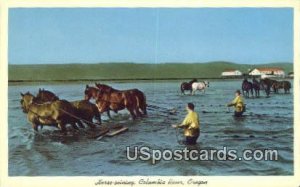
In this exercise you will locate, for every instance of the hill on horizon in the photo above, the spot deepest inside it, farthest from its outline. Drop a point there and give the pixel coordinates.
(110, 71)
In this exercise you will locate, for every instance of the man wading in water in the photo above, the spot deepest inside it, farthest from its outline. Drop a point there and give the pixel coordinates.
(238, 104)
(191, 125)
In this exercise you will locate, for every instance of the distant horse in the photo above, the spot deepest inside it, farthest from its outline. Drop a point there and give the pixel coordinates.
(266, 85)
(285, 85)
(114, 101)
(57, 113)
(256, 87)
(246, 87)
(187, 86)
(139, 95)
(84, 109)
(199, 86)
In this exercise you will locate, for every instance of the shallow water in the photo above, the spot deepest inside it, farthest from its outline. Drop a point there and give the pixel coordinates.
(268, 125)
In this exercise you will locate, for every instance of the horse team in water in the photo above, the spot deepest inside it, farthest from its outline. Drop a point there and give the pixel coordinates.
(48, 109)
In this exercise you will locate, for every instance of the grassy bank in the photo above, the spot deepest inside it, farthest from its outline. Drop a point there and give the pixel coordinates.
(127, 71)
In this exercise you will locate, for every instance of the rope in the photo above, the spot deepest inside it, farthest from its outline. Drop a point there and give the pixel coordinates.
(76, 117)
(177, 134)
(45, 117)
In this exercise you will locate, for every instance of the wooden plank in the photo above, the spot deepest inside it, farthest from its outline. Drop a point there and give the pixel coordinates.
(98, 134)
(116, 132)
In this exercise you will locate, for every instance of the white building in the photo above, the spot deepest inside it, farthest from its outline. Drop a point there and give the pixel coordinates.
(276, 72)
(230, 73)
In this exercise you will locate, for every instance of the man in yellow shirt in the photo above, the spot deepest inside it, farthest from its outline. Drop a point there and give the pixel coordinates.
(191, 125)
(238, 104)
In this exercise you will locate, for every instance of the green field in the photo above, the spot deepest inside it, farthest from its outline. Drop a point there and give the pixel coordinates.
(127, 71)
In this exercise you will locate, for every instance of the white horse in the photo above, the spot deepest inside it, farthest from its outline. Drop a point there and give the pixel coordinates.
(199, 86)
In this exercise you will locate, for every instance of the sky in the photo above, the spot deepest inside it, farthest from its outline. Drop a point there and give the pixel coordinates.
(150, 35)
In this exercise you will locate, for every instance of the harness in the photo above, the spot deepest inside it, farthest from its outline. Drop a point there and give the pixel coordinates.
(48, 117)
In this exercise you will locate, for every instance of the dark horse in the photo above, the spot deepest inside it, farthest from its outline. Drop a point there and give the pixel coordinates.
(256, 87)
(114, 101)
(44, 96)
(285, 85)
(187, 86)
(139, 95)
(246, 87)
(266, 85)
(84, 109)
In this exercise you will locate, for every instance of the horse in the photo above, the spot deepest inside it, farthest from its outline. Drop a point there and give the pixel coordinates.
(114, 101)
(85, 109)
(256, 87)
(246, 87)
(58, 113)
(139, 95)
(187, 86)
(285, 85)
(44, 96)
(199, 86)
(266, 85)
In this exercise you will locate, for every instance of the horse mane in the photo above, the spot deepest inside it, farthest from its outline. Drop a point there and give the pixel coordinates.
(193, 80)
(47, 92)
(107, 87)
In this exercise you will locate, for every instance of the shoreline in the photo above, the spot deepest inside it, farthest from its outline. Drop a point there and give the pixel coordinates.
(129, 80)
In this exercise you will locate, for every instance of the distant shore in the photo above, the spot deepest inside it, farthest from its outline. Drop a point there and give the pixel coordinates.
(128, 71)
(18, 82)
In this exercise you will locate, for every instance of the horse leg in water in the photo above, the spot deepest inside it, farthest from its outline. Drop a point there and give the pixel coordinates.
(62, 127)
(182, 91)
(138, 107)
(193, 92)
(131, 111)
(243, 92)
(246, 93)
(268, 90)
(80, 124)
(74, 125)
(90, 123)
(137, 111)
(97, 115)
(34, 126)
(108, 114)
(251, 90)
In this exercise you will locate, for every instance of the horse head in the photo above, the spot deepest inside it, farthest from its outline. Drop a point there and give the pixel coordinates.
(26, 101)
(90, 92)
(206, 83)
(87, 93)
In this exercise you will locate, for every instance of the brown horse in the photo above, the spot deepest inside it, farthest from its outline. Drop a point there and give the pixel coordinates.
(139, 95)
(57, 113)
(114, 101)
(285, 85)
(85, 109)
(266, 84)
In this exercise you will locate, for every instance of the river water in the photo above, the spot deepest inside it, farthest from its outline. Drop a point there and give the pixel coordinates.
(268, 124)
